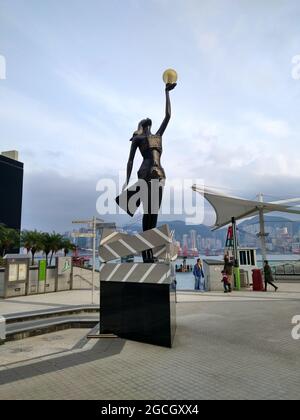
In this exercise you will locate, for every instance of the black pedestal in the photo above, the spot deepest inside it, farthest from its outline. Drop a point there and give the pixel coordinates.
(138, 311)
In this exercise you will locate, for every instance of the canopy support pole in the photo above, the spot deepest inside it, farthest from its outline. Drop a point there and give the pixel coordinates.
(236, 269)
(262, 234)
(235, 242)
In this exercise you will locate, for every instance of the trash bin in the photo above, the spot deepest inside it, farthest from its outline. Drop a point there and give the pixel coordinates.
(257, 280)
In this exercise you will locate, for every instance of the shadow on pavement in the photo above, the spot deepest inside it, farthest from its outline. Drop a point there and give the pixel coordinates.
(102, 349)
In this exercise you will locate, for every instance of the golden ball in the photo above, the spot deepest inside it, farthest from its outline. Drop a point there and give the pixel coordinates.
(170, 76)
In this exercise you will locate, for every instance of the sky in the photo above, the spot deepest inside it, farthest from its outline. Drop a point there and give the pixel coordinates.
(80, 75)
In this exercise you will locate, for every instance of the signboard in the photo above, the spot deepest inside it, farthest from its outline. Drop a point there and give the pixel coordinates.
(42, 270)
(64, 271)
(13, 272)
(16, 276)
(83, 235)
(22, 272)
(64, 265)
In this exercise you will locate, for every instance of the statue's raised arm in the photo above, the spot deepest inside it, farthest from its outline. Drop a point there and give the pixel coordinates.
(164, 124)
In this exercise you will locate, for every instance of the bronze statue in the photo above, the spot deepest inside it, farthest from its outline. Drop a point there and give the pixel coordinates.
(151, 171)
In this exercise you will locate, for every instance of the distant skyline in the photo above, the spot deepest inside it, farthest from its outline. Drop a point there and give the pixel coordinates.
(81, 75)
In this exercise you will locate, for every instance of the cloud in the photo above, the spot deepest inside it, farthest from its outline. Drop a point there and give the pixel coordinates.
(80, 80)
(122, 107)
(207, 41)
(274, 127)
(51, 201)
(52, 140)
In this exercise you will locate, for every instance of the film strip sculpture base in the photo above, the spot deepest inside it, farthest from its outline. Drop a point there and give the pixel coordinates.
(138, 300)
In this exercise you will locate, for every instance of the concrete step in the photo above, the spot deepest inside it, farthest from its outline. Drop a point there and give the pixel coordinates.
(24, 329)
(48, 313)
(33, 323)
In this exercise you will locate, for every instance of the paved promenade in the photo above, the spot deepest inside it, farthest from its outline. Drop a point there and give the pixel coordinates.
(235, 346)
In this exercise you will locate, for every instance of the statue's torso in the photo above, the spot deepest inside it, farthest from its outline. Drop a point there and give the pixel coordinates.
(151, 149)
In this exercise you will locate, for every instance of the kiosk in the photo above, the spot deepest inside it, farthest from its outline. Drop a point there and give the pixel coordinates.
(16, 275)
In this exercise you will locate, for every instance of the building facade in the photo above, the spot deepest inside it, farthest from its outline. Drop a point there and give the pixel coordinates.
(11, 190)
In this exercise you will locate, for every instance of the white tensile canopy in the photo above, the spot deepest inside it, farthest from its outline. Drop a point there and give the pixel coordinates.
(227, 207)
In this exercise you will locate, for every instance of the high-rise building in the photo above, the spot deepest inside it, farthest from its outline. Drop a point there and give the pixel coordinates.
(11, 190)
(185, 242)
(199, 242)
(193, 239)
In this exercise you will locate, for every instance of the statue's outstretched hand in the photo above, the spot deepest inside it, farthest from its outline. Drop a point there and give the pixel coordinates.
(170, 86)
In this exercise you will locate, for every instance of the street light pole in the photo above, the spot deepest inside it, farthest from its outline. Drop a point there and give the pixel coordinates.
(236, 267)
(97, 224)
(262, 234)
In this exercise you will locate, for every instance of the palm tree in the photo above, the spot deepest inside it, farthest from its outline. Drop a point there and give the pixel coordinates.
(37, 243)
(26, 240)
(67, 246)
(47, 243)
(9, 238)
(32, 240)
(55, 244)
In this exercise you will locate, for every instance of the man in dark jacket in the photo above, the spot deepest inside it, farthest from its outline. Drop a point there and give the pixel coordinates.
(228, 269)
(199, 276)
(268, 276)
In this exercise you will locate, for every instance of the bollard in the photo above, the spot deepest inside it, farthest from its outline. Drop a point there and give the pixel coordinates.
(2, 329)
(237, 278)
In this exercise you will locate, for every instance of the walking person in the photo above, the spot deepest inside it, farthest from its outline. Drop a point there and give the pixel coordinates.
(268, 276)
(228, 270)
(199, 276)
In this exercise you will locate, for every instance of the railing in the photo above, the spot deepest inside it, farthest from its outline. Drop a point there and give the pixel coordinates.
(287, 269)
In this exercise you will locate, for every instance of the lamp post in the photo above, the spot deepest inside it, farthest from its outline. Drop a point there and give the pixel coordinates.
(262, 234)
(236, 267)
(170, 76)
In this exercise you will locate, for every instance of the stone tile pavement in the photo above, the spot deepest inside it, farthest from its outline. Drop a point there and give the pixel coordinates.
(226, 347)
(47, 301)
(43, 345)
(84, 297)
